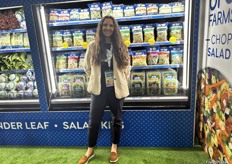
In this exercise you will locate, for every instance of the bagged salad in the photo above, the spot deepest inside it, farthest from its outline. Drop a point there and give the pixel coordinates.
(117, 11)
(73, 60)
(178, 7)
(67, 37)
(61, 61)
(129, 10)
(84, 14)
(63, 15)
(162, 31)
(149, 32)
(90, 35)
(139, 58)
(78, 89)
(29, 62)
(79, 77)
(164, 56)
(137, 83)
(152, 8)
(77, 37)
(169, 82)
(65, 89)
(57, 38)
(25, 40)
(66, 78)
(140, 9)
(153, 82)
(81, 60)
(64, 85)
(78, 85)
(175, 30)
(74, 14)
(54, 15)
(125, 32)
(176, 55)
(165, 8)
(17, 40)
(95, 10)
(137, 32)
(106, 8)
(153, 55)
(5, 39)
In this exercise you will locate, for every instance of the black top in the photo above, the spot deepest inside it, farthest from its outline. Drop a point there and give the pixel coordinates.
(105, 67)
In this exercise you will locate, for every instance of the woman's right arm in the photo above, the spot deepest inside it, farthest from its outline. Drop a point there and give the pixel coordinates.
(87, 60)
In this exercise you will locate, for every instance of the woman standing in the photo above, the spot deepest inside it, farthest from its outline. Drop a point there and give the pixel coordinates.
(107, 63)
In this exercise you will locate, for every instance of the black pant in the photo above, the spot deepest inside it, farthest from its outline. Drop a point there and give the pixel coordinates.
(97, 107)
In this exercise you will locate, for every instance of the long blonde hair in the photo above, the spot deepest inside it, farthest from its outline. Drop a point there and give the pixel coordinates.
(119, 48)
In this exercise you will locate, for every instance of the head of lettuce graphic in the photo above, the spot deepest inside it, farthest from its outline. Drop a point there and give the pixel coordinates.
(228, 1)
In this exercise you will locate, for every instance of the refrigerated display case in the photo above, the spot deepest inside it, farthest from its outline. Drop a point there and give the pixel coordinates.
(18, 89)
(158, 38)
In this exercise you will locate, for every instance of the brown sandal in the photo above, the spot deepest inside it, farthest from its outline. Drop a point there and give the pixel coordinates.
(85, 159)
(113, 157)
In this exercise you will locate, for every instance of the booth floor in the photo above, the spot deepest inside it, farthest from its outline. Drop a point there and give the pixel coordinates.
(127, 155)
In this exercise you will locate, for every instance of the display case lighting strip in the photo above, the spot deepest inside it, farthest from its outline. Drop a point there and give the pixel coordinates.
(127, 99)
(186, 58)
(52, 3)
(19, 102)
(49, 56)
(11, 7)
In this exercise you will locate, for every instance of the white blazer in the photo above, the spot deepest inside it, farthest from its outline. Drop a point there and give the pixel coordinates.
(121, 76)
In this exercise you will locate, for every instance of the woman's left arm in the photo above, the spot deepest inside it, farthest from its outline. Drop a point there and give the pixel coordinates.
(127, 71)
(128, 68)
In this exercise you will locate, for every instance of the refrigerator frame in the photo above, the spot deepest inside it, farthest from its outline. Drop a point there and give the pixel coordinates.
(183, 100)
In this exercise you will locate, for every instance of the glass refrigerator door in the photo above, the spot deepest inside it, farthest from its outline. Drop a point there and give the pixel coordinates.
(157, 36)
(17, 78)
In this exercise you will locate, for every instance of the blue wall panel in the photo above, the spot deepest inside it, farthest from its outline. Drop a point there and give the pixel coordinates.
(141, 128)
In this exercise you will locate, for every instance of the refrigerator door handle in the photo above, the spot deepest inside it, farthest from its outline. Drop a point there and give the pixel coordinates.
(46, 52)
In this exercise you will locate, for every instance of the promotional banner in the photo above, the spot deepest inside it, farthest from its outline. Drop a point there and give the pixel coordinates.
(219, 40)
(214, 93)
